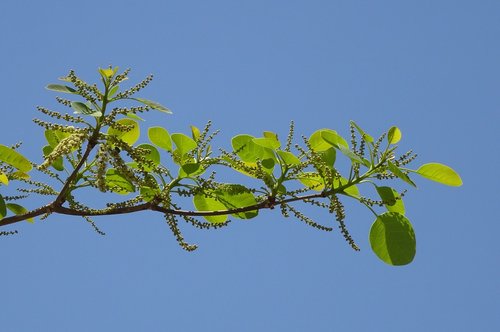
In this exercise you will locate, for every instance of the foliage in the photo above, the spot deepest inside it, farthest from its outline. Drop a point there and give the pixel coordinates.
(96, 147)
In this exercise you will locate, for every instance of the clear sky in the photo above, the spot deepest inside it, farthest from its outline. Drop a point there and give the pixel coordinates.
(430, 67)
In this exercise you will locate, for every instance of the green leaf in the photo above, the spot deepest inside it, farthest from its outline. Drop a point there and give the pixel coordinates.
(440, 173)
(195, 133)
(396, 171)
(4, 179)
(118, 183)
(269, 143)
(148, 193)
(183, 143)
(55, 136)
(81, 108)
(312, 180)
(107, 73)
(394, 135)
(18, 210)
(323, 139)
(3, 211)
(191, 169)
(352, 190)
(249, 151)
(58, 164)
(354, 157)
(160, 137)
(392, 239)
(235, 196)
(288, 158)
(208, 203)
(15, 159)
(153, 105)
(153, 156)
(363, 134)
(60, 88)
(129, 137)
(392, 199)
(329, 156)
(334, 139)
(113, 91)
(134, 117)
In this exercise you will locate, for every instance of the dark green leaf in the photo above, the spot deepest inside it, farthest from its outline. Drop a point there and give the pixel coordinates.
(392, 239)
(3, 211)
(60, 88)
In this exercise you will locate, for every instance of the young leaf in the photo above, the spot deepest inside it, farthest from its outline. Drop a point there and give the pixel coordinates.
(14, 159)
(18, 210)
(235, 196)
(81, 108)
(269, 143)
(129, 137)
(60, 88)
(392, 239)
(288, 158)
(113, 91)
(440, 173)
(160, 137)
(153, 156)
(3, 178)
(312, 180)
(195, 133)
(394, 135)
(58, 164)
(154, 105)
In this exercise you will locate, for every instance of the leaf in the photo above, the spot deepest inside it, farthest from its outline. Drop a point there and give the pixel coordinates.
(118, 183)
(195, 133)
(354, 157)
(270, 143)
(148, 193)
(235, 196)
(208, 203)
(134, 117)
(396, 171)
(18, 210)
(4, 179)
(312, 180)
(329, 156)
(81, 108)
(394, 135)
(58, 164)
(14, 159)
(334, 139)
(352, 190)
(55, 136)
(60, 88)
(249, 151)
(183, 143)
(153, 105)
(392, 199)
(129, 137)
(363, 134)
(153, 156)
(323, 139)
(392, 239)
(3, 211)
(160, 137)
(288, 158)
(191, 169)
(440, 173)
(107, 73)
(113, 91)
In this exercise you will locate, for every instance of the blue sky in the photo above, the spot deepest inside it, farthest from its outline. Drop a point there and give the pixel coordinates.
(430, 67)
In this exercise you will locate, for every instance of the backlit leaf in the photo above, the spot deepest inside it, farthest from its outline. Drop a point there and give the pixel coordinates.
(129, 137)
(183, 143)
(440, 173)
(14, 159)
(118, 183)
(392, 199)
(235, 196)
(18, 210)
(288, 157)
(312, 180)
(394, 135)
(363, 134)
(58, 164)
(153, 156)
(392, 239)
(396, 171)
(208, 203)
(160, 137)
(3, 178)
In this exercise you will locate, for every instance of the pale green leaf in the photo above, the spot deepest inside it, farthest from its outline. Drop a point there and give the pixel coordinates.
(396, 171)
(392, 239)
(312, 180)
(270, 143)
(288, 158)
(118, 183)
(160, 137)
(153, 156)
(183, 143)
(392, 199)
(394, 135)
(209, 203)
(440, 173)
(58, 164)
(15, 159)
(129, 137)
(3, 178)
(363, 134)
(235, 196)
